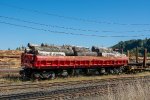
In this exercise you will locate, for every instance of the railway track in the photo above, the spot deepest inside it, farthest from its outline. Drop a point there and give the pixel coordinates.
(65, 90)
(14, 86)
(58, 94)
(9, 73)
(9, 70)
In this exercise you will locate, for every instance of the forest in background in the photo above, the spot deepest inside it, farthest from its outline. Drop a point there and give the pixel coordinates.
(131, 45)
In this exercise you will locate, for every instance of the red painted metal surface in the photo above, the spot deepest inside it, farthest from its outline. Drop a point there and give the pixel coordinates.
(64, 62)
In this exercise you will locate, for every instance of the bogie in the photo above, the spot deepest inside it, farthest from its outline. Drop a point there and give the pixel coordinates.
(52, 74)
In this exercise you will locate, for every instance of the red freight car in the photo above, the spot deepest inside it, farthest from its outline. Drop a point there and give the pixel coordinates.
(37, 66)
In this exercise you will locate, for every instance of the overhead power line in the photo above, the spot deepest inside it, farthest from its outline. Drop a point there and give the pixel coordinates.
(47, 25)
(72, 18)
(69, 28)
(69, 33)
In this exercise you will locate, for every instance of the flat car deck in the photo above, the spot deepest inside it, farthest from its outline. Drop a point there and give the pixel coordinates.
(64, 62)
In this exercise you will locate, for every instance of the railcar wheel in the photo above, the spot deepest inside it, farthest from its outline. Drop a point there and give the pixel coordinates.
(77, 72)
(121, 70)
(102, 71)
(111, 71)
(24, 75)
(35, 76)
(46, 75)
(64, 73)
(71, 72)
(116, 70)
(97, 72)
(51, 75)
(88, 72)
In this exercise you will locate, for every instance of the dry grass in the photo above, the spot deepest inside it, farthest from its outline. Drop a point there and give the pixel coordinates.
(79, 78)
(135, 91)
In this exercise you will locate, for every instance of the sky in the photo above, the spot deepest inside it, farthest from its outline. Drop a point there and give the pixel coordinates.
(74, 22)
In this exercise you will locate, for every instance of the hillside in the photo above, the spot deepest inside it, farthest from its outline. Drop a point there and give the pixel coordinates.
(132, 44)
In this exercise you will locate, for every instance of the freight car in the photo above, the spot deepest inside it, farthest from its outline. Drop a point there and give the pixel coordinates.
(49, 61)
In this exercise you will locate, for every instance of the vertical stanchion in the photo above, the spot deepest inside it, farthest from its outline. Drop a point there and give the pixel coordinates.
(122, 51)
(128, 55)
(137, 52)
(145, 58)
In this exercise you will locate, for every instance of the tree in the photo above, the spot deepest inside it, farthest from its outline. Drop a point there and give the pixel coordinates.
(132, 44)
